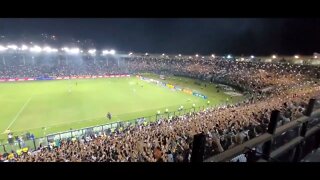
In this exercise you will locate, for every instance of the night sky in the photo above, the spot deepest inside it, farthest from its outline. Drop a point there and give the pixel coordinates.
(186, 36)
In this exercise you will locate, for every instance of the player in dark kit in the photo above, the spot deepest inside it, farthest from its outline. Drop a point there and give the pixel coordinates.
(109, 115)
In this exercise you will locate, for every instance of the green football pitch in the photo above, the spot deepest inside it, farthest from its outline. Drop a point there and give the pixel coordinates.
(52, 106)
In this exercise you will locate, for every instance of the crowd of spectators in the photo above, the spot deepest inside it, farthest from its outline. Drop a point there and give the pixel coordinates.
(285, 87)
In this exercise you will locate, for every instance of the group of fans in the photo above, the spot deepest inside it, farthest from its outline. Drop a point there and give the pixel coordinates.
(268, 86)
(60, 67)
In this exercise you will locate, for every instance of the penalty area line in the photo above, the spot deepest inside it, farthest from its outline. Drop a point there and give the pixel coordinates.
(19, 112)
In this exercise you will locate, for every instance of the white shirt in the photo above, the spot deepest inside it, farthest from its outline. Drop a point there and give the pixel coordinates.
(240, 158)
(170, 158)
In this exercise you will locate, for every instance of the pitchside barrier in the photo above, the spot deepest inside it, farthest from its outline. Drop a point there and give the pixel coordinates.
(108, 128)
(171, 86)
(62, 77)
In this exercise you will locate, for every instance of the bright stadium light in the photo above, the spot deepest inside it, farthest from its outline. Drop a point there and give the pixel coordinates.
(242, 59)
(48, 49)
(92, 51)
(74, 50)
(112, 52)
(146, 54)
(71, 50)
(130, 53)
(274, 56)
(213, 56)
(14, 47)
(252, 56)
(2, 48)
(163, 54)
(197, 55)
(229, 56)
(66, 49)
(54, 50)
(105, 52)
(296, 56)
(35, 49)
(202, 57)
(180, 55)
(24, 47)
(315, 57)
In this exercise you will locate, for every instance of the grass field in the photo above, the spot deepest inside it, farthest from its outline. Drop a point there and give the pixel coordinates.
(53, 106)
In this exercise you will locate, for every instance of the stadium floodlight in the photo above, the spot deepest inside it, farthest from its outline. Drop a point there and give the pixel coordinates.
(71, 50)
(105, 52)
(66, 49)
(202, 57)
(252, 56)
(2, 48)
(74, 50)
(92, 51)
(213, 56)
(229, 56)
(197, 55)
(296, 56)
(163, 54)
(180, 55)
(274, 56)
(130, 53)
(146, 54)
(242, 59)
(48, 49)
(14, 47)
(35, 49)
(24, 47)
(315, 57)
(112, 52)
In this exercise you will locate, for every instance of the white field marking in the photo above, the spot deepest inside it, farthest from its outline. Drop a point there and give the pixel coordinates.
(58, 123)
(20, 111)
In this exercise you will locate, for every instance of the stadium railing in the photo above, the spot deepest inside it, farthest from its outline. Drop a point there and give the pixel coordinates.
(119, 126)
(299, 137)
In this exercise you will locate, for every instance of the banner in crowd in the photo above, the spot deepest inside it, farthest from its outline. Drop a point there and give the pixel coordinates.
(16, 79)
(44, 78)
(163, 84)
(178, 88)
(199, 95)
(188, 91)
(170, 86)
(61, 78)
